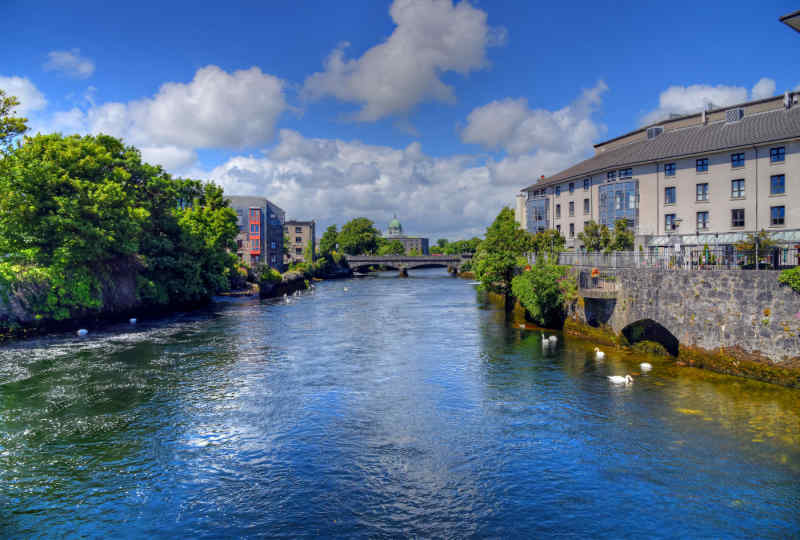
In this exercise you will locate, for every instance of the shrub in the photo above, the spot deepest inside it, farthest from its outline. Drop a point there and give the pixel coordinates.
(791, 277)
(543, 291)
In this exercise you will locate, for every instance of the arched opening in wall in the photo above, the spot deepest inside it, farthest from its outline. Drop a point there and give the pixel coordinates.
(650, 330)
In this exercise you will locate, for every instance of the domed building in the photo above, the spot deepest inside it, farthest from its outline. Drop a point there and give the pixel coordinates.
(412, 244)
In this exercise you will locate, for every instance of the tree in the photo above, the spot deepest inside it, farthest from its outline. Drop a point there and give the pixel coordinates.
(622, 238)
(10, 126)
(358, 237)
(436, 250)
(548, 243)
(441, 243)
(462, 246)
(327, 244)
(393, 247)
(498, 255)
(543, 290)
(595, 237)
(749, 243)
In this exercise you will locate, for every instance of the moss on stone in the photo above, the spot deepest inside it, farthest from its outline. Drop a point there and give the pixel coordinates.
(650, 347)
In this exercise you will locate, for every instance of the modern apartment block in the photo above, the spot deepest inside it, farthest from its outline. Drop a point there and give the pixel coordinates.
(260, 238)
(700, 179)
(301, 234)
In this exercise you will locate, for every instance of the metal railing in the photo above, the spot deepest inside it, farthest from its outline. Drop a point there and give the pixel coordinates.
(597, 281)
(688, 258)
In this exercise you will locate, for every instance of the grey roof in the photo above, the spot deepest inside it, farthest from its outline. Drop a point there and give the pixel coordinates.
(757, 128)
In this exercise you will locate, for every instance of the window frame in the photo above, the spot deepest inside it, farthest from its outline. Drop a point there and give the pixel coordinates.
(772, 184)
(572, 230)
(669, 222)
(733, 218)
(669, 169)
(737, 160)
(571, 208)
(777, 154)
(734, 190)
(673, 191)
(587, 206)
(701, 165)
(572, 187)
(587, 183)
(705, 192)
(626, 173)
(772, 219)
(611, 176)
(558, 211)
(558, 191)
(705, 214)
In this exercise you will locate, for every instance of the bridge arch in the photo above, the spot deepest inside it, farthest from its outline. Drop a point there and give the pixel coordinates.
(650, 330)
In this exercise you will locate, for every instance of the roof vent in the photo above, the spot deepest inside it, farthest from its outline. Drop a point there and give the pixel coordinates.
(734, 115)
(655, 131)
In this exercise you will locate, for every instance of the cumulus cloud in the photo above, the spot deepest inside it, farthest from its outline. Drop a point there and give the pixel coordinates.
(70, 63)
(30, 98)
(332, 181)
(432, 37)
(536, 141)
(693, 98)
(216, 109)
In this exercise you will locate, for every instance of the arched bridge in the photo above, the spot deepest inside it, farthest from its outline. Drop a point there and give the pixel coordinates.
(404, 263)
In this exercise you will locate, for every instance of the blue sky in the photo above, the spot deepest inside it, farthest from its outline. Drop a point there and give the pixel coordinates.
(434, 110)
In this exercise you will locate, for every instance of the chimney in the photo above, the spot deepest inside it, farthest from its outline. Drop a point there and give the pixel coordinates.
(705, 118)
(786, 101)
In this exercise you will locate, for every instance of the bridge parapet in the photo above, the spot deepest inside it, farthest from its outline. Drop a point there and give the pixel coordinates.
(407, 262)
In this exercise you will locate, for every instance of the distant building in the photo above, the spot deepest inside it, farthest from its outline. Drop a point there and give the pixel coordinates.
(521, 212)
(260, 238)
(301, 235)
(416, 244)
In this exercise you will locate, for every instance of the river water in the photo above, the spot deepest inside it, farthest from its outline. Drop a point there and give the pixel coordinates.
(396, 407)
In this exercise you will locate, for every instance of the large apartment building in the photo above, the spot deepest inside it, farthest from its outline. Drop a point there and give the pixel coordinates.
(260, 238)
(701, 179)
(300, 235)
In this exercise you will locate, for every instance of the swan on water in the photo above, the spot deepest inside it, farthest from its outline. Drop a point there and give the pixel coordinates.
(132, 321)
(619, 379)
(599, 354)
(82, 332)
(553, 339)
(645, 366)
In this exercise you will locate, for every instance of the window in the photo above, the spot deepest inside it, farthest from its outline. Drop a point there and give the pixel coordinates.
(298, 239)
(777, 215)
(298, 251)
(701, 165)
(558, 210)
(669, 169)
(737, 188)
(737, 217)
(572, 187)
(777, 184)
(298, 229)
(669, 195)
(253, 244)
(586, 184)
(776, 155)
(273, 245)
(571, 208)
(669, 222)
(274, 260)
(558, 191)
(702, 192)
(625, 173)
(702, 221)
(254, 228)
(737, 160)
(572, 230)
(558, 228)
(611, 176)
(239, 244)
(586, 209)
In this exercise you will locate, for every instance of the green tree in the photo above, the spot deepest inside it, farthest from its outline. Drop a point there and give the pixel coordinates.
(548, 243)
(393, 247)
(622, 238)
(358, 237)
(543, 291)
(442, 242)
(436, 250)
(595, 237)
(462, 246)
(10, 126)
(499, 254)
(327, 244)
(749, 243)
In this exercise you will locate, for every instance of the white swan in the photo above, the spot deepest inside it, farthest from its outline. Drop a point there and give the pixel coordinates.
(132, 321)
(645, 366)
(82, 332)
(599, 354)
(619, 379)
(345, 289)
(553, 339)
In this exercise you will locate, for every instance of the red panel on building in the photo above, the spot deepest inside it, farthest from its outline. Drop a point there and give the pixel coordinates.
(255, 231)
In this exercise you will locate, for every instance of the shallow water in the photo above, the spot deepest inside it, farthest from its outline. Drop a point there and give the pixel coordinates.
(400, 407)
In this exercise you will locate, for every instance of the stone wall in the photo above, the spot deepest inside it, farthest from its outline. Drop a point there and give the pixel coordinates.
(713, 310)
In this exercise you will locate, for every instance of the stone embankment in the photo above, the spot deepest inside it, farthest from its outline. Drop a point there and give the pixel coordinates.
(734, 321)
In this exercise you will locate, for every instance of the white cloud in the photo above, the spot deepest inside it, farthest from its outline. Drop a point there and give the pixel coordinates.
(69, 63)
(764, 88)
(432, 37)
(30, 98)
(537, 141)
(693, 98)
(333, 181)
(216, 109)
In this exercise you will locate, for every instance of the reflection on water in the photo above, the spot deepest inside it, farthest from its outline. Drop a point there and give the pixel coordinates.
(395, 407)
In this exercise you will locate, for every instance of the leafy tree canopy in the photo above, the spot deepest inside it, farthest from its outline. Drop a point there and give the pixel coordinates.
(600, 238)
(10, 125)
(327, 244)
(358, 237)
(392, 247)
(498, 255)
(548, 243)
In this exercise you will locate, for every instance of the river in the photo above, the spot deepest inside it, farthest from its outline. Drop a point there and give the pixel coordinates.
(381, 407)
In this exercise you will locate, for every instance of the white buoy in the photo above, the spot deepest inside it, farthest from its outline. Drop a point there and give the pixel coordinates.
(82, 332)
(132, 320)
(646, 366)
